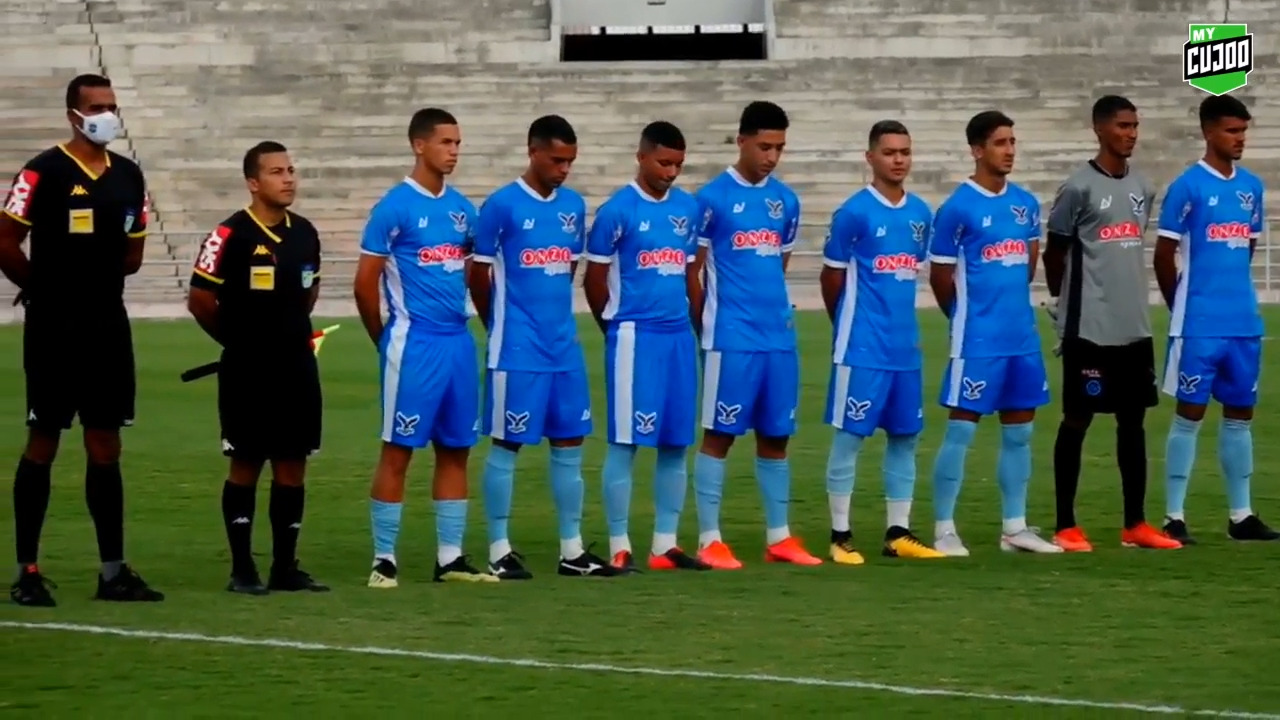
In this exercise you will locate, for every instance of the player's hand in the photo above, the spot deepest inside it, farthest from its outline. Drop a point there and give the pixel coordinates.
(1051, 307)
(20, 299)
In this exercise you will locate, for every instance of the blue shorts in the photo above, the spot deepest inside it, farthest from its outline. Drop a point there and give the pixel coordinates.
(859, 400)
(651, 379)
(1225, 369)
(744, 391)
(430, 389)
(522, 406)
(993, 384)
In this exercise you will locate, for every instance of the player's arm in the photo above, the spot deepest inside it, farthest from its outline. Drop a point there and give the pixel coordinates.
(1170, 230)
(214, 261)
(1033, 240)
(944, 253)
(380, 231)
(837, 253)
(706, 227)
(15, 222)
(313, 293)
(792, 231)
(1064, 219)
(1258, 221)
(480, 280)
(137, 230)
(579, 243)
(602, 242)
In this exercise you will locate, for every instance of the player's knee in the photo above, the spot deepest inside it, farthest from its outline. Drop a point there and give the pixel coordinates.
(1016, 434)
(244, 471)
(566, 442)
(394, 459)
(1131, 420)
(1237, 412)
(965, 415)
(903, 443)
(773, 448)
(291, 473)
(451, 456)
(102, 447)
(716, 444)
(1081, 421)
(1190, 411)
(42, 446)
(507, 445)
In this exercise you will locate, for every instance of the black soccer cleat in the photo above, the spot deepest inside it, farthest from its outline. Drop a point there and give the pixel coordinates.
(31, 589)
(1177, 530)
(294, 579)
(676, 559)
(587, 565)
(126, 586)
(461, 570)
(247, 583)
(510, 567)
(1251, 528)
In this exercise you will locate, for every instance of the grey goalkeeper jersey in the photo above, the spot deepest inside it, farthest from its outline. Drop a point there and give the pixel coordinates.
(1104, 292)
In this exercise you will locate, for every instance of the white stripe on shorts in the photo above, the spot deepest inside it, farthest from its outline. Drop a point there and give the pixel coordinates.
(955, 381)
(710, 388)
(498, 418)
(624, 376)
(839, 391)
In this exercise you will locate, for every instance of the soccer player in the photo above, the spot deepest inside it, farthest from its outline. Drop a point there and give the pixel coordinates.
(528, 239)
(255, 281)
(1209, 224)
(85, 208)
(742, 309)
(1095, 269)
(982, 259)
(876, 243)
(637, 251)
(415, 247)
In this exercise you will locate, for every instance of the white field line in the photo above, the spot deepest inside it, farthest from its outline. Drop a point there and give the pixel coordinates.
(756, 678)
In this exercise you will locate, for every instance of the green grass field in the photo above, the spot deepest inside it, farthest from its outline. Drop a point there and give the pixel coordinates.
(977, 637)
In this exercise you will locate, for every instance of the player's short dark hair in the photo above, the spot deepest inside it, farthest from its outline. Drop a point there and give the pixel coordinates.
(762, 115)
(253, 158)
(88, 80)
(425, 121)
(983, 125)
(1215, 108)
(549, 128)
(1108, 106)
(885, 127)
(661, 133)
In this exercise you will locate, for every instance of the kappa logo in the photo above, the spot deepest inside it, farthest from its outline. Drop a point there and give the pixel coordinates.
(857, 409)
(261, 250)
(1187, 383)
(459, 221)
(78, 191)
(517, 422)
(679, 225)
(1106, 203)
(1139, 204)
(569, 222)
(727, 414)
(917, 230)
(406, 425)
(645, 422)
(1019, 214)
(775, 208)
(973, 388)
(1246, 200)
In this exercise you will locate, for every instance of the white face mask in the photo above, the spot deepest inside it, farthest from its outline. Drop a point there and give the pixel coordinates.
(101, 128)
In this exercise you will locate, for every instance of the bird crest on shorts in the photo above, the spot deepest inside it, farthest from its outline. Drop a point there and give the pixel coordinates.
(857, 411)
(645, 422)
(727, 414)
(973, 388)
(517, 422)
(406, 424)
(775, 208)
(1187, 383)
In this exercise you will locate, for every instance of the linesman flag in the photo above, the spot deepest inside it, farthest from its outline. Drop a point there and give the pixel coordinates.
(317, 340)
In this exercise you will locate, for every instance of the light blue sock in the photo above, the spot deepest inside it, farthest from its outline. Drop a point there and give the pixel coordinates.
(900, 468)
(948, 468)
(1013, 469)
(617, 487)
(384, 517)
(1235, 452)
(566, 486)
(670, 482)
(1179, 456)
(708, 487)
(842, 464)
(451, 523)
(774, 478)
(499, 479)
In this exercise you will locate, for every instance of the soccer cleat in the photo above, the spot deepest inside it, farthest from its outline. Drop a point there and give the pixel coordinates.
(510, 567)
(900, 542)
(587, 565)
(247, 583)
(461, 571)
(126, 586)
(1251, 528)
(624, 563)
(1073, 540)
(1177, 530)
(293, 579)
(719, 556)
(1143, 535)
(842, 550)
(950, 544)
(31, 589)
(676, 559)
(1027, 540)
(790, 551)
(384, 574)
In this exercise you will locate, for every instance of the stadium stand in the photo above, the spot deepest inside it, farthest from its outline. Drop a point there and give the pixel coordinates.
(336, 80)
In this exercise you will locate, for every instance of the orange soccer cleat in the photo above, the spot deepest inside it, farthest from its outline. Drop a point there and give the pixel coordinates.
(1072, 540)
(790, 551)
(719, 556)
(1143, 535)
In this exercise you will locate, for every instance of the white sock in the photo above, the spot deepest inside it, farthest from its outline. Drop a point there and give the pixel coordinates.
(942, 527)
(446, 554)
(708, 537)
(774, 536)
(621, 543)
(1241, 514)
(662, 542)
(839, 503)
(499, 550)
(898, 514)
(1177, 516)
(390, 557)
(570, 549)
(1013, 526)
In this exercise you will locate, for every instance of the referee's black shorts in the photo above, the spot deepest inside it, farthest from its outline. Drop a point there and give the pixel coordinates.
(85, 371)
(269, 406)
(1106, 379)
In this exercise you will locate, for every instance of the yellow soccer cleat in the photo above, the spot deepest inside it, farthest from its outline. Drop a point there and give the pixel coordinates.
(461, 571)
(384, 574)
(842, 550)
(899, 542)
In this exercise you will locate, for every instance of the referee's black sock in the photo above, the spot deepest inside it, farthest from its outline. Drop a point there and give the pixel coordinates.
(287, 502)
(1066, 472)
(30, 503)
(104, 494)
(1131, 453)
(238, 505)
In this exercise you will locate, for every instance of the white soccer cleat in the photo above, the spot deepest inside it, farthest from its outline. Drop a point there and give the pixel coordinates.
(1027, 540)
(950, 544)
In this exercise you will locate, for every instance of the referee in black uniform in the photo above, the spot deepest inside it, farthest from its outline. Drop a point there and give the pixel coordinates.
(85, 208)
(254, 285)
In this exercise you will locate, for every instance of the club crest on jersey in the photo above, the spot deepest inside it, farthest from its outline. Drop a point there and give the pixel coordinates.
(917, 230)
(1019, 214)
(1246, 200)
(1139, 203)
(775, 208)
(679, 225)
(645, 422)
(552, 260)
(459, 221)
(667, 261)
(569, 222)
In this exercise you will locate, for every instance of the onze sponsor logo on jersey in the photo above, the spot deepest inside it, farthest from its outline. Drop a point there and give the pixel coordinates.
(1007, 252)
(450, 257)
(1234, 234)
(667, 261)
(764, 241)
(20, 194)
(1120, 232)
(903, 266)
(552, 260)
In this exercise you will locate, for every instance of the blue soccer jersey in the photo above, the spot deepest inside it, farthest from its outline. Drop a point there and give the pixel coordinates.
(646, 243)
(532, 243)
(880, 245)
(746, 228)
(1214, 220)
(989, 237)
